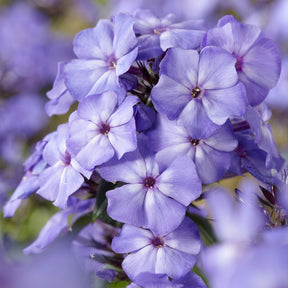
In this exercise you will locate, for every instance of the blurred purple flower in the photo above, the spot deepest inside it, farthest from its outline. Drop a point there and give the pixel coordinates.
(29, 51)
(59, 223)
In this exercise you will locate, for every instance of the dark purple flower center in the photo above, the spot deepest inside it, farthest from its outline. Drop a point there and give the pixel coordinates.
(239, 62)
(194, 142)
(66, 159)
(149, 182)
(195, 92)
(157, 242)
(104, 128)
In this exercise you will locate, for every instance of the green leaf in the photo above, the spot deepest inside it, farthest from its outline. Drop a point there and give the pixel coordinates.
(205, 228)
(117, 284)
(199, 272)
(101, 200)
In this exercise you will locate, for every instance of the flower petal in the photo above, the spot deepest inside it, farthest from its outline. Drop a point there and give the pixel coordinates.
(223, 103)
(216, 68)
(130, 239)
(157, 207)
(180, 181)
(130, 196)
(123, 138)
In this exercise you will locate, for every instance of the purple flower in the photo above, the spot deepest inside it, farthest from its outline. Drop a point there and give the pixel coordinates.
(211, 153)
(258, 62)
(156, 35)
(249, 157)
(202, 88)
(29, 184)
(237, 225)
(22, 115)
(29, 52)
(257, 119)
(153, 194)
(105, 52)
(101, 129)
(235, 222)
(173, 254)
(64, 175)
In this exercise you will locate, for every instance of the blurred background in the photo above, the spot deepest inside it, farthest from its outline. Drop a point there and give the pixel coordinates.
(36, 34)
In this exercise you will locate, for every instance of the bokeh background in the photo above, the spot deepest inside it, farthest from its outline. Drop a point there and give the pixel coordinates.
(36, 34)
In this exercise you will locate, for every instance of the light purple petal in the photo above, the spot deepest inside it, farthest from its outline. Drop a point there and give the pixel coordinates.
(170, 97)
(180, 181)
(143, 260)
(255, 93)
(216, 69)
(130, 239)
(223, 139)
(131, 169)
(185, 238)
(97, 151)
(125, 39)
(49, 181)
(158, 207)
(196, 121)
(124, 112)
(58, 182)
(125, 62)
(71, 181)
(130, 196)
(61, 105)
(183, 38)
(123, 138)
(167, 155)
(95, 42)
(211, 164)
(182, 66)
(232, 36)
(166, 259)
(76, 140)
(262, 63)
(223, 103)
(81, 76)
(98, 108)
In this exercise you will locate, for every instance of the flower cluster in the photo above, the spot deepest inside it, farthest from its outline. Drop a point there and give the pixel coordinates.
(165, 108)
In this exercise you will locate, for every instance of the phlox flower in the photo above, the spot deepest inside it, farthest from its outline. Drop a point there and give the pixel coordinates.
(104, 53)
(203, 87)
(63, 176)
(100, 128)
(211, 152)
(152, 192)
(173, 253)
(258, 61)
(155, 35)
